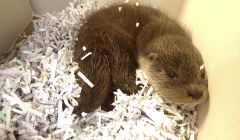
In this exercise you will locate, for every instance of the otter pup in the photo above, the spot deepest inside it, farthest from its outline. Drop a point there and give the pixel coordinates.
(125, 37)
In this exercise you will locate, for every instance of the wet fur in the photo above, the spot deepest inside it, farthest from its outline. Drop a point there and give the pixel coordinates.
(118, 48)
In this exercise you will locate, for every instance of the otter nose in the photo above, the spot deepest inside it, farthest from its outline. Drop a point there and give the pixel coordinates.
(195, 94)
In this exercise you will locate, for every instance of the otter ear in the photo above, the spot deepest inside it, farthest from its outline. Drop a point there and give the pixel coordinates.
(152, 56)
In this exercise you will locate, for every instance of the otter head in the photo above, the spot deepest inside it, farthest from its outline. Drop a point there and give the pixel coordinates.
(175, 70)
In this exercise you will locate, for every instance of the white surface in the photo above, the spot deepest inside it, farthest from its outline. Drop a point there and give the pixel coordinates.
(171, 7)
(14, 16)
(43, 6)
(216, 28)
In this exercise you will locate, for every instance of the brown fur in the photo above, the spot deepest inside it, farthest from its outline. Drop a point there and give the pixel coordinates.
(159, 46)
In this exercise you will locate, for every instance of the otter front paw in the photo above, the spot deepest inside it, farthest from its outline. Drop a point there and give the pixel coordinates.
(131, 88)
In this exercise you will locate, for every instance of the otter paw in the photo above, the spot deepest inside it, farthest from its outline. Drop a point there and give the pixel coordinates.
(131, 88)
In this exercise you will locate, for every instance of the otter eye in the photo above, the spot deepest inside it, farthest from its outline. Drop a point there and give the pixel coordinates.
(152, 56)
(172, 75)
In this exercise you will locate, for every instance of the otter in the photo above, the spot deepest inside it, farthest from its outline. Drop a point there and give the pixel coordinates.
(123, 38)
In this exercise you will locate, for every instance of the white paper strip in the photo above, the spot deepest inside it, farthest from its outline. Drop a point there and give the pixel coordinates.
(84, 78)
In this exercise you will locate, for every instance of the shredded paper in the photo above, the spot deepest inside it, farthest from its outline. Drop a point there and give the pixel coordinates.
(41, 77)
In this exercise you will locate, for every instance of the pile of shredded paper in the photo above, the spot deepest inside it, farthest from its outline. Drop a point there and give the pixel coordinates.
(36, 82)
